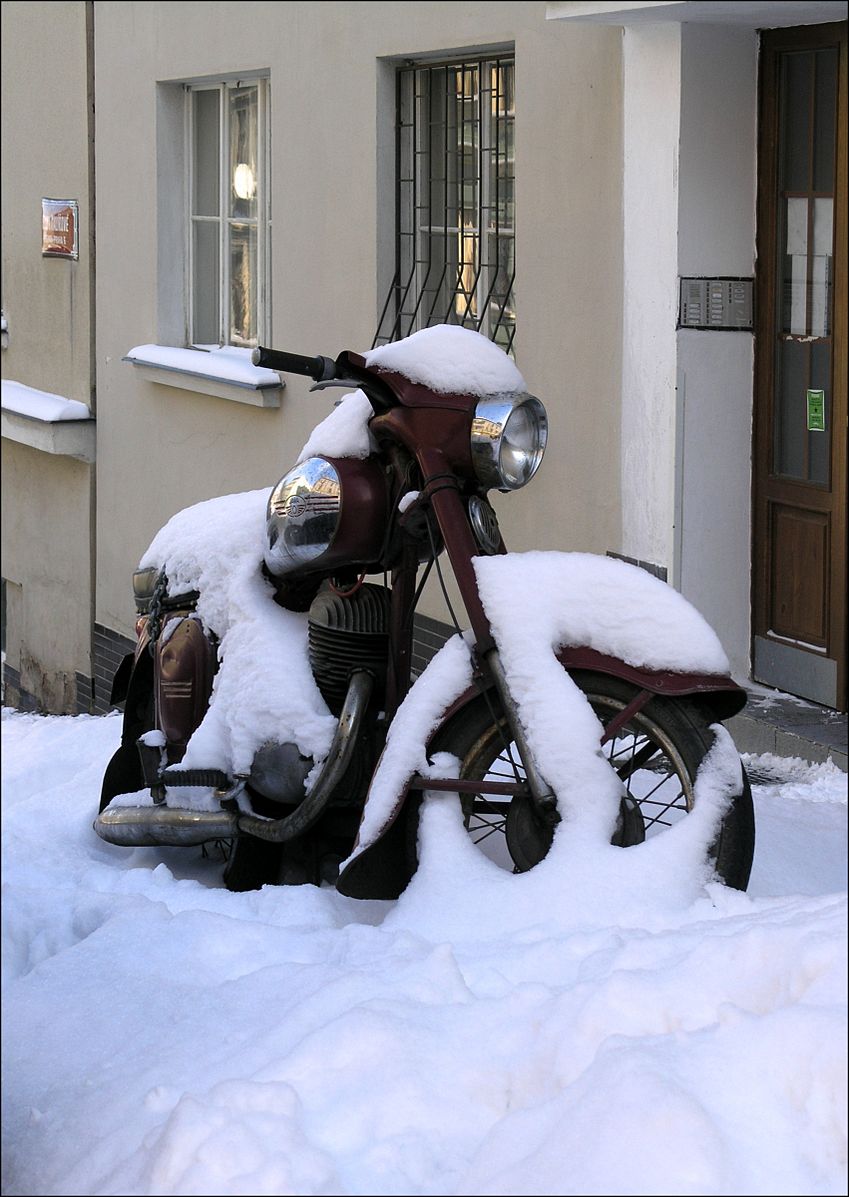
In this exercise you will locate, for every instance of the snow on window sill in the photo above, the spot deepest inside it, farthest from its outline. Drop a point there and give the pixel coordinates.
(47, 422)
(225, 372)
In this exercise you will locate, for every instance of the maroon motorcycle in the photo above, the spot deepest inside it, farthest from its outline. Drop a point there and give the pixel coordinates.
(435, 439)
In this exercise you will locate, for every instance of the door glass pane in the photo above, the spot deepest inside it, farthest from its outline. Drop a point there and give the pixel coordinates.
(206, 153)
(825, 114)
(796, 84)
(244, 140)
(205, 290)
(791, 410)
(243, 251)
(821, 268)
(794, 283)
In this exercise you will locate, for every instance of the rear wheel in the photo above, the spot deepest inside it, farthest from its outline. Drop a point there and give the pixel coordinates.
(656, 753)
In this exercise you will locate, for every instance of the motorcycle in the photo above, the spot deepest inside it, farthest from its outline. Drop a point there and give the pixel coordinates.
(270, 702)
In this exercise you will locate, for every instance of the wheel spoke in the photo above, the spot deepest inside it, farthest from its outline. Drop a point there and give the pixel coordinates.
(639, 759)
(480, 838)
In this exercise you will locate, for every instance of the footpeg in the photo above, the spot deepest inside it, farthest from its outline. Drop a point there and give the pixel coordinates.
(196, 777)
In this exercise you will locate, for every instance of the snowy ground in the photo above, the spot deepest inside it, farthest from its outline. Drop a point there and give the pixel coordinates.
(162, 1036)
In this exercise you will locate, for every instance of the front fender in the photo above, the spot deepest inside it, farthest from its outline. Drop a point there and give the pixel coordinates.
(384, 868)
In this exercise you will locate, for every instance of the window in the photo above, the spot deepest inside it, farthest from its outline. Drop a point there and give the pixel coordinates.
(455, 200)
(229, 251)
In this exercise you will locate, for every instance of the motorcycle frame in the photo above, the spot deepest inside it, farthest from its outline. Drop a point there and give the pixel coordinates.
(433, 429)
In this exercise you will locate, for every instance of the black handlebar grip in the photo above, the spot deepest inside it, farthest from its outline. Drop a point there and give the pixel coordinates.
(318, 368)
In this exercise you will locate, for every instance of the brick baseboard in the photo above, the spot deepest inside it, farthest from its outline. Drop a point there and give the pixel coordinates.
(14, 695)
(108, 651)
(429, 635)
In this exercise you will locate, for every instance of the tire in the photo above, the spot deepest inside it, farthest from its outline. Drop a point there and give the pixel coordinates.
(657, 753)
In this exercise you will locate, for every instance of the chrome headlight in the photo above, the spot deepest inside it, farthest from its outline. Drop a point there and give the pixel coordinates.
(508, 439)
(303, 515)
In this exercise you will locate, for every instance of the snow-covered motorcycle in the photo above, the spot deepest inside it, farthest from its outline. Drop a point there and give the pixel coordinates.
(270, 703)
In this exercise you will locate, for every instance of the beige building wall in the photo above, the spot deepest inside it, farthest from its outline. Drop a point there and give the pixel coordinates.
(48, 497)
(332, 110)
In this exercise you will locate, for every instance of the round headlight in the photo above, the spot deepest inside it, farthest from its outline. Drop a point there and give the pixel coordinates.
(508, 439)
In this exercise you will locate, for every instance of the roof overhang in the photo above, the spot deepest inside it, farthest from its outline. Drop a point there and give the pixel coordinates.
(767, 15)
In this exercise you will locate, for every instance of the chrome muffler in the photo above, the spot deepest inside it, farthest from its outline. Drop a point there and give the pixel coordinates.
(150, 826)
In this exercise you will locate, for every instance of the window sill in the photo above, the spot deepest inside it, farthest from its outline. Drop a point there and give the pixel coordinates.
(64, 438)
(257, 387)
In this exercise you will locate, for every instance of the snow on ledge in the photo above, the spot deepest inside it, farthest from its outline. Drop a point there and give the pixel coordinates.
(41, 405)
(226, 363)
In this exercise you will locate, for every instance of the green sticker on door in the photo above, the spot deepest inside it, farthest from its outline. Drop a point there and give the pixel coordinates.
(816, 411)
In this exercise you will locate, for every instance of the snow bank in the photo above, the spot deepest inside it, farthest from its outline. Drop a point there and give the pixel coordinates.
(163, 1036)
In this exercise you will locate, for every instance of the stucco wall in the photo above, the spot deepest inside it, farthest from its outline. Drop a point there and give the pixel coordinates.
(689, 211)
(331, 136)
(45, 558)
(651, 55)
(47, 498)
(716, 238)
(45, 153)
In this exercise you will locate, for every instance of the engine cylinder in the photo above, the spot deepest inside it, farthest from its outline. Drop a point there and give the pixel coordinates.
(346, 634)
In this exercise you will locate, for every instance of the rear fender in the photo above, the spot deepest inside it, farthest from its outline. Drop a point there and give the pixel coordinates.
(382, 871)
(123, 773)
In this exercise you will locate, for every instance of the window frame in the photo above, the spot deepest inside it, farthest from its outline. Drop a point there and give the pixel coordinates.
(262, 221)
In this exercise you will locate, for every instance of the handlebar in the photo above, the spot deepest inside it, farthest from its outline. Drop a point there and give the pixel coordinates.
(319, 368)
(325, 369)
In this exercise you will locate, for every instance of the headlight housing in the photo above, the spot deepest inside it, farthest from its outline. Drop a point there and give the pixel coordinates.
(303, 515)
(509, 433)
(325, 513)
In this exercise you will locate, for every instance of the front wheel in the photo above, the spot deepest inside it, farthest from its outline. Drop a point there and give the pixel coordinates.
(656, 753)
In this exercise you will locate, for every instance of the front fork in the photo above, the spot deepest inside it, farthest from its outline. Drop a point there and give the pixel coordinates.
(441, 487)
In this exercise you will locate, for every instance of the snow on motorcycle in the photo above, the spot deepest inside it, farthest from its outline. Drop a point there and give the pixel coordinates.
(270, 705)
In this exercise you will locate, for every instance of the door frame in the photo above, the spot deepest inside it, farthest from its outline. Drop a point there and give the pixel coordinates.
(773, 42)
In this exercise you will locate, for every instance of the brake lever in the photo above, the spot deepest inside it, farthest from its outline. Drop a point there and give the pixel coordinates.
(335, 382)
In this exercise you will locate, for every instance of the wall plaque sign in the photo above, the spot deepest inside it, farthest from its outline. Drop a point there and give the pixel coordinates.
(60, 222)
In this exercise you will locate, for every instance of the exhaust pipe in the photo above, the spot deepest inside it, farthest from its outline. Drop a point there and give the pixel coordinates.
(149, 826)
(308, 812)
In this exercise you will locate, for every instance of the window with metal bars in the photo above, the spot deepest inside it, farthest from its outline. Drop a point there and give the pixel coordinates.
(455, 260)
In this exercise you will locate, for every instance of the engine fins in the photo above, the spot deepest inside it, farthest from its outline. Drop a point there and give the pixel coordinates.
(346, 634)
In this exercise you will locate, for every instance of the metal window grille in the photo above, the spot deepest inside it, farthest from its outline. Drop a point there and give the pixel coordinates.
(455, 260)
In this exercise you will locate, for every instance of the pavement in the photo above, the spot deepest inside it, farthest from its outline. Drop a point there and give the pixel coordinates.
(777, 723)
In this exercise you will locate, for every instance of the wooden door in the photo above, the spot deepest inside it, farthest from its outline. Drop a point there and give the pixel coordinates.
(799, 458)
